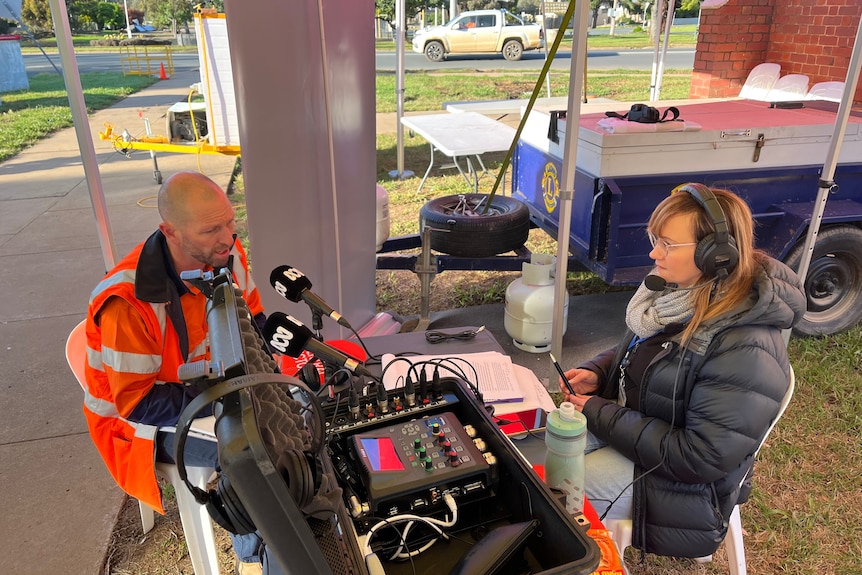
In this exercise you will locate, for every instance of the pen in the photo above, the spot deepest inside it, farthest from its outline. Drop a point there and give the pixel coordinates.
(562, 374)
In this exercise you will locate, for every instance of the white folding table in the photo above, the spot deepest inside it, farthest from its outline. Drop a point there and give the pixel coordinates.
(464, 134)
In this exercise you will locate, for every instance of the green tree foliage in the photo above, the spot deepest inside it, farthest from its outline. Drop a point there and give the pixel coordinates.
(688, 9)
(82, 13)
(167, 13)
(110, 16)
(36, 14)
(386, 9)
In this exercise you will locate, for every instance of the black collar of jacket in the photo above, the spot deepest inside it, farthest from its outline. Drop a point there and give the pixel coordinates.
(156, 272)
(157, 281)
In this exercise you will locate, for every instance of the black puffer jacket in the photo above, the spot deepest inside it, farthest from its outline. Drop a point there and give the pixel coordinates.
(721, 399)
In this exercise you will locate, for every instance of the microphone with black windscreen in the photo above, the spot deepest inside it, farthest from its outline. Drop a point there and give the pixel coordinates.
(291, 284)
(290, 337)
(658, 283)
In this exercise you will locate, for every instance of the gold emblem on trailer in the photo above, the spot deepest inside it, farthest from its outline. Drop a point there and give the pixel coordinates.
(550, 187)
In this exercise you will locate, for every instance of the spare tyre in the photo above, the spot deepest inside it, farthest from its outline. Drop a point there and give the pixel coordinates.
(463, 227)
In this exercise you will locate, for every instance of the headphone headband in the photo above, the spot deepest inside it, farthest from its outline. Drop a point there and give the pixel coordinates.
(716, 254)
(709, 203)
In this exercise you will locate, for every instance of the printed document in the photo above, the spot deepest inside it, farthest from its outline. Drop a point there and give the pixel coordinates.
(494, 371)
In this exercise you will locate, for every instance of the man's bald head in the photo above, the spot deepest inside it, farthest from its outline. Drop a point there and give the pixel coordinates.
(197, 221)
(183, 194)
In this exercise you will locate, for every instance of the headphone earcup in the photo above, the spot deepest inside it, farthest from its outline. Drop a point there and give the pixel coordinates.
(297, 472)
(227, 510)
(716, 259)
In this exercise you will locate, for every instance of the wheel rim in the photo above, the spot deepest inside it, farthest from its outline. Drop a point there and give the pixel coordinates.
(470, 208)
(830, 286)
(512, 51)
(434, 52)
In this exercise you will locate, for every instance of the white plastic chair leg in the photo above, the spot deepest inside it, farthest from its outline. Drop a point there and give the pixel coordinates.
(621, 533)
(148, 516)
(197, 524)
(734, 546)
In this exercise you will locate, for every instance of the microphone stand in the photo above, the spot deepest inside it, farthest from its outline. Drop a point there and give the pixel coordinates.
(317, 324)
(317, 330)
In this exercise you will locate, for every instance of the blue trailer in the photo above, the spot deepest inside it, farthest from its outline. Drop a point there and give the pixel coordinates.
(771, 157)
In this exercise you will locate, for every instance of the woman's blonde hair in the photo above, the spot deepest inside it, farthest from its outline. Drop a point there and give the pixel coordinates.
(736, 287)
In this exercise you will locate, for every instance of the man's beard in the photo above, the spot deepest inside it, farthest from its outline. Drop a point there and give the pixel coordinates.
(209, 258)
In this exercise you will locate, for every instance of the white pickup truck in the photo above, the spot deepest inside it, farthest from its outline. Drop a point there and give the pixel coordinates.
(479, 31)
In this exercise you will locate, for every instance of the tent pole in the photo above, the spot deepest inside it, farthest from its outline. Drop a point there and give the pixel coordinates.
(656, 30)
(400, 20)
(82, 129)
(668, 22)
(567, 180)
(826, 184)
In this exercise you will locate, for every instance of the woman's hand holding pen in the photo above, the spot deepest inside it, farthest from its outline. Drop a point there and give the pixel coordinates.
(582, 382)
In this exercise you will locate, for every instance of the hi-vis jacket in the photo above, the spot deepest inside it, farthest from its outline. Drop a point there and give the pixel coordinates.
(137, 344)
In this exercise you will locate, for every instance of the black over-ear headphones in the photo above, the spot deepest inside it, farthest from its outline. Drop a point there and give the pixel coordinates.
(223, 504)
(716, 255)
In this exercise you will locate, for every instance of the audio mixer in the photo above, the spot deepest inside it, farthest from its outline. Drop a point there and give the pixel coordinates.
(408, 466)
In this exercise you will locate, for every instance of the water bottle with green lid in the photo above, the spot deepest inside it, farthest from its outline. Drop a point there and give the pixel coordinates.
(565, 440)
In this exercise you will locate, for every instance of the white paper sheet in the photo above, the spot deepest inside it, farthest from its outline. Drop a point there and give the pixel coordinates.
(496, 375)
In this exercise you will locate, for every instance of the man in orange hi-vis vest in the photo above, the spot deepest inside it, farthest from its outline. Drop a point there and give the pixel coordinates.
(143, 323)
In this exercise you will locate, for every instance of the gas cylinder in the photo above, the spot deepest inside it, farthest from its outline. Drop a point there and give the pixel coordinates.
(530, 305)
(382, 216)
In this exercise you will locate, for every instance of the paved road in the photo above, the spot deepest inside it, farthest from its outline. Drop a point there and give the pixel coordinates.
(385, 61)
(101, 62)
(682, 58)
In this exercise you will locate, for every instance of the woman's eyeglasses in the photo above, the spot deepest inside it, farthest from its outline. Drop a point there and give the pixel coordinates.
(664, 247)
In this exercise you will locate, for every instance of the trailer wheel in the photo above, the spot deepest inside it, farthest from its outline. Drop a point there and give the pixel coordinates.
(512, 50)
(434, 51)
(833, 286)
(464, 230)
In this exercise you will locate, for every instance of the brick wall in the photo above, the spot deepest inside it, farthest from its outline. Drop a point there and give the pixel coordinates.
(813, 37)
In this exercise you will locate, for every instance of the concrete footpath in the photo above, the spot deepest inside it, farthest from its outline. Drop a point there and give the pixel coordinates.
(59, 504)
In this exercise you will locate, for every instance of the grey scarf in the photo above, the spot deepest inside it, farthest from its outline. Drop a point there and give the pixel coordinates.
(649, 312)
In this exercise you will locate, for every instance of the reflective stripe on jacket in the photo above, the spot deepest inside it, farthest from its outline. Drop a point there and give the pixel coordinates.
(170, 335)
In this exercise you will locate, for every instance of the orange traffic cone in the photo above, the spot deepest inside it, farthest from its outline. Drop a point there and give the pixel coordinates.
(162, 75)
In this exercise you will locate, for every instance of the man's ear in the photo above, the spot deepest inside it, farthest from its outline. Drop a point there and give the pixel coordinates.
(168, 230)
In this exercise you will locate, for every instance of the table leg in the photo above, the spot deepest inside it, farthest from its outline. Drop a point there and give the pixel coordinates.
(428, 171)
(481, 163)
(472, 170)
(461, 171)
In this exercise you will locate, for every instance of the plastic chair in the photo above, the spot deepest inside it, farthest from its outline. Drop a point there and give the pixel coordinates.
(759, 81)
(831, 91)
(621, 529)
(788, 88)
(197, 524)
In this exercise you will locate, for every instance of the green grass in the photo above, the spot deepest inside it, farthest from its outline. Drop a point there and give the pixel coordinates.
(679, 37)
(429, 90)
(26, 116)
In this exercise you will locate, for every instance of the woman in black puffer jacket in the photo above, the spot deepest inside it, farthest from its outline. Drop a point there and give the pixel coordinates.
(677, 410)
